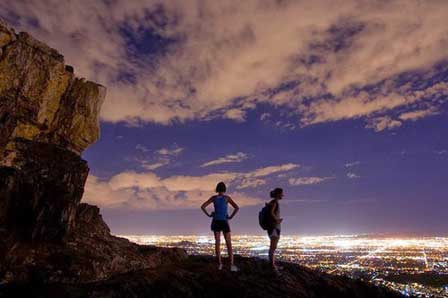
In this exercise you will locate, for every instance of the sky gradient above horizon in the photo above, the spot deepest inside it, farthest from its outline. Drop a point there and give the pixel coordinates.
(344, 104)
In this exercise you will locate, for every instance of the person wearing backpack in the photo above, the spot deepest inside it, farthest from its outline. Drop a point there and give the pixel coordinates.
(270, 220)
(220, 222)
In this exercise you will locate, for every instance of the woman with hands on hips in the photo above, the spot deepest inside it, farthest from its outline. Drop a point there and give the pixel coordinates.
(220, 222)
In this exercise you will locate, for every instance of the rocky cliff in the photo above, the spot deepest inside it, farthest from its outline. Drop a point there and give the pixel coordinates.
(48, 116)
(54, 246)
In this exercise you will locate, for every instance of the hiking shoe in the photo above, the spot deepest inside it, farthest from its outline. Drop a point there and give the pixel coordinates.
(233, 268)
(220, 267)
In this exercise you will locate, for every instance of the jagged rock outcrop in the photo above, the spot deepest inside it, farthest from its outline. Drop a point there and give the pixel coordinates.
(47, 118)
(40, 191)
(40, 98)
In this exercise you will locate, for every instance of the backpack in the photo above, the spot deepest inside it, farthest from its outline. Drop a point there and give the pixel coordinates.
(265, 218)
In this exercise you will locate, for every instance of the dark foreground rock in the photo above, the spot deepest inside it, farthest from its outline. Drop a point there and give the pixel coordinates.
(198, 277)
(40, 191)
(88, 253)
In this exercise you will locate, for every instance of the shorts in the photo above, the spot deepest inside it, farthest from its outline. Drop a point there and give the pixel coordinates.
(275, 232)
(220, 226)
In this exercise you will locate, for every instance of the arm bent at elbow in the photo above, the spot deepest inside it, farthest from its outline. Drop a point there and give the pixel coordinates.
(204, 206)
(236, 208)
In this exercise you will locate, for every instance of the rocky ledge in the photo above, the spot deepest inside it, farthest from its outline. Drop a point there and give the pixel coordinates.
(52, 245)
(197, 276)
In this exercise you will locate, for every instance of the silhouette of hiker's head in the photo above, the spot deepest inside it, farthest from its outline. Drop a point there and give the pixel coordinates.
(221, 187)
(277, 193)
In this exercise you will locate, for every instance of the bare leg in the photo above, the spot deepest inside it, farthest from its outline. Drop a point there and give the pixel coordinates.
(218, 246)
(228, 239)
(272, 248)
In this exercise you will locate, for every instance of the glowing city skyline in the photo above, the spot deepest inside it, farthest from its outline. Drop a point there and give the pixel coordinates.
(410, 265)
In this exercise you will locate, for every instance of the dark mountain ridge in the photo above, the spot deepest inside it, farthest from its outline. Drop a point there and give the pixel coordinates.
(197, 276)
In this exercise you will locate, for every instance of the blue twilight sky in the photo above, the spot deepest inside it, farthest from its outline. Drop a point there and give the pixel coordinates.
(342, 104)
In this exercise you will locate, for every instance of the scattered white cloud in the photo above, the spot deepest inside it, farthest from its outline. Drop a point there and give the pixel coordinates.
(152, 166)
(381, 123)
(440, 152)
(307, 180)
(415, 115)
(264, 116)
(262, 172)
(290, 126)
(149, 191)
(352, 164)
(171, 152)
(353, 175)
(141, 148)
(204, 183)
(238, 157)
(250, 183)
(285, 125)
(363, 104)
(220, 59)
(157, 159)
(235, 114)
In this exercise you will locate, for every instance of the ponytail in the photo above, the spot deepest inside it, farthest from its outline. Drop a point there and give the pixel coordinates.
(276, 192)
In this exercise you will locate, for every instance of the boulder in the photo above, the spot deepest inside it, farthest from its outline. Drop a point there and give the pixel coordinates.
(40, 190)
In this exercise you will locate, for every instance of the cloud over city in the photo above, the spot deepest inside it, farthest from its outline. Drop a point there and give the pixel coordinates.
(238, 157)
(307, 180)
(147, 190)
(153, 160)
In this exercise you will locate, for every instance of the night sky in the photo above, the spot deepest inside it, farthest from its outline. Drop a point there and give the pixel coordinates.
(343, 104)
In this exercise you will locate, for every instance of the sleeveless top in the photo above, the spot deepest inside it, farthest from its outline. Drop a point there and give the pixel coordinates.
(220, 204)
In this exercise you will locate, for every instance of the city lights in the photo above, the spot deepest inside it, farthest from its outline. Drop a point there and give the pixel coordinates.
(411, 266)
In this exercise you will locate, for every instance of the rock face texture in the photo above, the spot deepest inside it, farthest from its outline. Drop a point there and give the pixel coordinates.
(47, 118)
(197, 277)
(54, 246)
(40, 98)
(40, 191)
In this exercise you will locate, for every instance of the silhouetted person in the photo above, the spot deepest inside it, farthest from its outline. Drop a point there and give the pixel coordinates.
(274, 229)
(220, 222)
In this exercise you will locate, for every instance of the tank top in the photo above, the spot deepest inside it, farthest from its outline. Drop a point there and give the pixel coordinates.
(220, 204)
